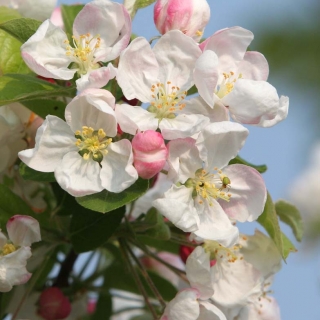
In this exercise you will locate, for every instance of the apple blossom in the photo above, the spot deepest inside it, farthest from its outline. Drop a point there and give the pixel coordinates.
(149, 153)
(22, 232)
(159, 76)
(206, 197)
(188, 16)
(17, 130)
(101, 31)
(227, 75)
(80, 151)
(35, 9)
(193, 303)
(242, 273)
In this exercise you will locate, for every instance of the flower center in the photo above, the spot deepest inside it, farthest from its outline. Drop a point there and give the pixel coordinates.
(83, 52)
(209, 186)
(220, 253)
(8, 248)
(227, 84)
(166, 100)
(92, 143)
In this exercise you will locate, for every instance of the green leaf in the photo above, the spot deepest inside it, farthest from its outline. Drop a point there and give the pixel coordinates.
(145, 316)
(134, 5)
(30, 174)
(269, 220)
(8, 14)
(103, 308)
(10, 57)
(238, 160)
(18, 87)
(43, 107)
(290, 215)
(287, 246)
(11, 204)
(106, 201)
(68, 15)
(22, 28)
(159, 244)
(90, 230)
(158, 229)
(192, 90)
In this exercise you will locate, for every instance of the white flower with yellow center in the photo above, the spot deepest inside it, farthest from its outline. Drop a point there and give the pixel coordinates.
(81, 151)
(14, 253)
(160, 77)
(101, 31)
(242, 275)
(206, 197)
(230, 77)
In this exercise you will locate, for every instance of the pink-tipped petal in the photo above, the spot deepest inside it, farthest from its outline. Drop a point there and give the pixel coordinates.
(23, 230)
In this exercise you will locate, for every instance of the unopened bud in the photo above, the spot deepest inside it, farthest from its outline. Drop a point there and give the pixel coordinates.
(188, 16)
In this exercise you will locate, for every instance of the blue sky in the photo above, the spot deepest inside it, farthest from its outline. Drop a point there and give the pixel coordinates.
(283, 148)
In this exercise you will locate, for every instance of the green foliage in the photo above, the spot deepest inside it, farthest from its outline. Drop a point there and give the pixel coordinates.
(10, 57)
(7, 14)
(103, 308)
(10, 205)
(106, 201)
(89, 229)
(68, 15)
(269, 220)
(238, 160)
(22, 28)
(30, 174)
(154, 225)
(30, 88)
(43, 107)
(118, 277)
(290, 215)
(138, 4)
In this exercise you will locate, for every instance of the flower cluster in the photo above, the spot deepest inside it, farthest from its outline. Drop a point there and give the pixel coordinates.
(172, 112)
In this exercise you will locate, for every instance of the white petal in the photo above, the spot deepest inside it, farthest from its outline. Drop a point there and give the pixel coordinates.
(97, 78)
(23, 230)
(219, 142)
(229, 44)
(215, 224)
(40, 10)
(184, 306)
(176, 54)
(136, 79)
(110, 21)
(254, 66)
(182, 126)
(260, 251)
(93, 108)
(13, 269)
(134, 118)
(209, 311)
(256, 103)
(206, 76)
(118, 173)
(198, 272)
(183, 159)
(198, 106)
(248, 193)
(45, 53)
(266, 309)
(53, 140)
(77, 176)
(177, 206)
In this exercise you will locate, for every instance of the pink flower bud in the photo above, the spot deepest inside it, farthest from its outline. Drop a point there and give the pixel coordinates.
(149, 152)
(53, 304)
(189, 16)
